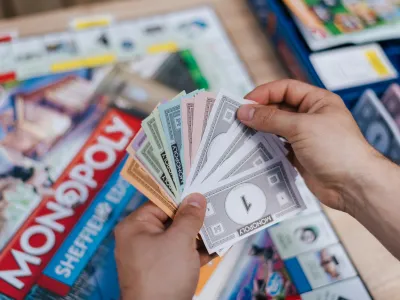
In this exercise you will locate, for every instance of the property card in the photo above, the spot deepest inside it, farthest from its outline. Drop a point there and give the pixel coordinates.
(315, 269)
(352, 66)
(302, 234)
(352, 288)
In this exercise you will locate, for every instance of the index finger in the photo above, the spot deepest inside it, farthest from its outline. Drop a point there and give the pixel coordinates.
(297, 94)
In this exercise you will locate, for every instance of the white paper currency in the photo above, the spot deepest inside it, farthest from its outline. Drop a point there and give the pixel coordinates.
(249, 202)
(233, 142)
(260, 149)
(220, 125)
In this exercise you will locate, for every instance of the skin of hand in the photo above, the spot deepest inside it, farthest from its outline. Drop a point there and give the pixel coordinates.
(157, 261)
(330, 152)
(320, 130)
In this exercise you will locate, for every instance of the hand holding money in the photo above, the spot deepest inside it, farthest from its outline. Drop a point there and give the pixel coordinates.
(147, 249)
(234, 159)
(329, 150)
(194, 143)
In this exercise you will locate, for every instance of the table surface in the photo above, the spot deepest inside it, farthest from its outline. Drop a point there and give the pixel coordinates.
(379, 269)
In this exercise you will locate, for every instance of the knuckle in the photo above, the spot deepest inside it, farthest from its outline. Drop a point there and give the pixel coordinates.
(121, 231)
(264, 116)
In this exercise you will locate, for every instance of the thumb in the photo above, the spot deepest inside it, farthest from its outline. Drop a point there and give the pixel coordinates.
(269, 119)
(189, 217)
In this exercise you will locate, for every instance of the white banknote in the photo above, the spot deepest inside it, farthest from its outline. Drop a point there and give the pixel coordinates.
(249, 202)
(260, 149)
(233, 142)
(221, 124)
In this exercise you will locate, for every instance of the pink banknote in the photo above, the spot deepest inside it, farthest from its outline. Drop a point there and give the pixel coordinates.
(187, 112)
(203, 105)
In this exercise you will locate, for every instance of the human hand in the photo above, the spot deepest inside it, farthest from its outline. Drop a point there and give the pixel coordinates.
(330, 152)
(155, 261)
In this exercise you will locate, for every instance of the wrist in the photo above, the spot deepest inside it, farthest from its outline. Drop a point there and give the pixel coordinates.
(151, 293)
(366, 179)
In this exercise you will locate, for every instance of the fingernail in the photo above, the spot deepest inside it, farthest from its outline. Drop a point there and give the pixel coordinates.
(246, 112)
(196, 200)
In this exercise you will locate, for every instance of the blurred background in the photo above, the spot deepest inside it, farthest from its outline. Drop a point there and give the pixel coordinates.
(66, 64)
(12, 8)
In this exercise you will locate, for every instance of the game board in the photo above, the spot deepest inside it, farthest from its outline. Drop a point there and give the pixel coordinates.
(59, 94)
(60, 89)
(328, 23)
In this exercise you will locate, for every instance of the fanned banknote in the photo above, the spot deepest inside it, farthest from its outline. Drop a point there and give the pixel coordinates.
(249, 202)
(171, 120)
(204, 103)
(136, 174)
(234, 142)
(377, 125)
(260, 149)
(155, 133)
(145, 153)
(188, 113)
(221, 123)
(134, 149)
(196, 142)
(156, 137)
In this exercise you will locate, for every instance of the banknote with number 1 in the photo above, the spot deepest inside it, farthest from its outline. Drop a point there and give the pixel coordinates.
(249, 202)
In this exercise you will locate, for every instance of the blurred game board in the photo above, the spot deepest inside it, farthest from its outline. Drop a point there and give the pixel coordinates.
(60, 92)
